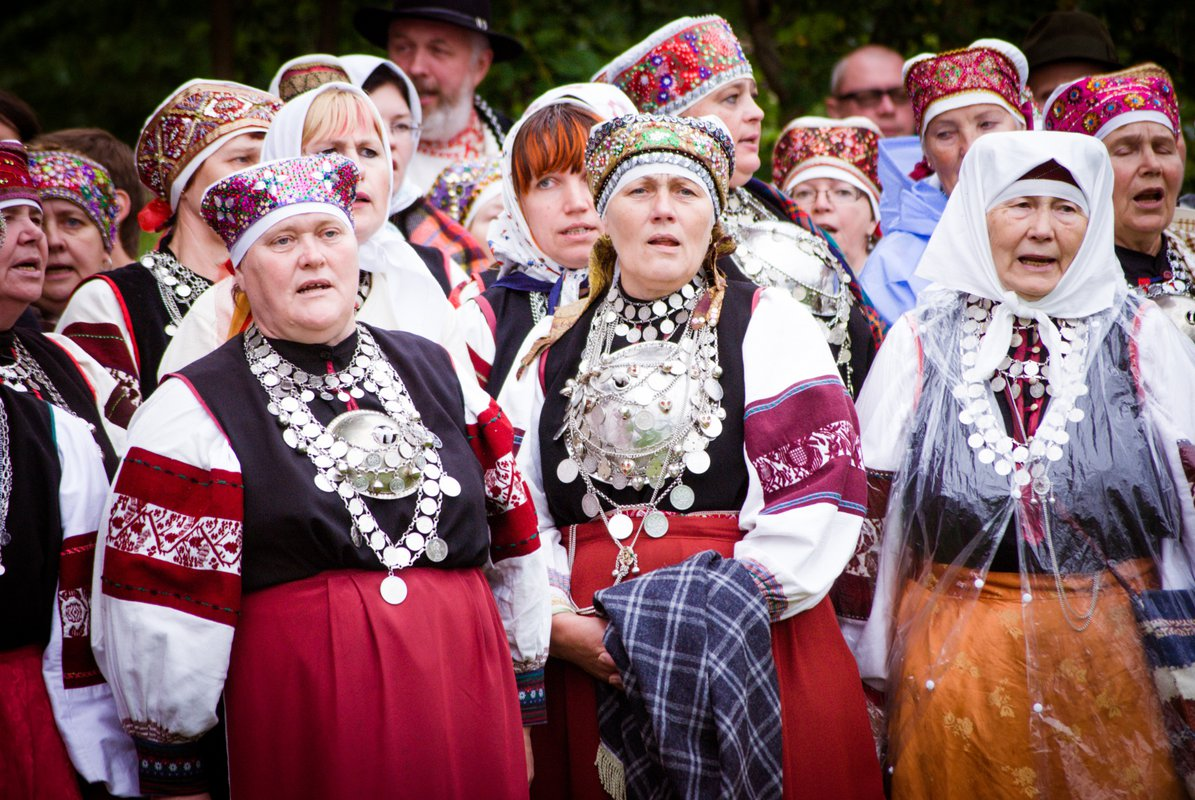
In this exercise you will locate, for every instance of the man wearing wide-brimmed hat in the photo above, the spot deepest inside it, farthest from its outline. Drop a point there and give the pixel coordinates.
(446, 47)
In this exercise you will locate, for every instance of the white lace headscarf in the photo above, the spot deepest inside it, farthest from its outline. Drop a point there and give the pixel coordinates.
(959, 254)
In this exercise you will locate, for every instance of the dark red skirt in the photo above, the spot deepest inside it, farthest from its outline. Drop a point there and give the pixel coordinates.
(33, 760)
(332, 692)
(828, 748)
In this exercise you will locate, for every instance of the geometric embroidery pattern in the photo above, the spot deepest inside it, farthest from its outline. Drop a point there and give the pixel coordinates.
(793, 462)
(142, 528)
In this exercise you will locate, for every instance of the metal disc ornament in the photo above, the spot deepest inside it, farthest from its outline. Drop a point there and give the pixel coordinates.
(620, 526)
(655, 524)
(681, 497)
(394, 589)
(437, 549)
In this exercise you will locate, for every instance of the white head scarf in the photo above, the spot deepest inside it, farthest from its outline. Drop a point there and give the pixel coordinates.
(387, 251)
(959, 254)
(510, 236)
(359, 68)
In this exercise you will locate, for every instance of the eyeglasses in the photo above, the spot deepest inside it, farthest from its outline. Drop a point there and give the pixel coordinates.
(838, 196)
(870, 98)
(404, 129)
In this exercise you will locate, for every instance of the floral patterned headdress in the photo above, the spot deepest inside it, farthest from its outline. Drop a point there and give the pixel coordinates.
(1099, 104)
(60, 175)
(464, 187)
(16, 184)
(244, 205)
(187, 128)
(842, 149)
(678, 65)
(988, 71)
(700, 146)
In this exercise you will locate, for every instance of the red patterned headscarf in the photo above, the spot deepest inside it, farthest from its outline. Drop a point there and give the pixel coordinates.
(1099, 104)
(842, 149)
(988, 71)
(16, 184)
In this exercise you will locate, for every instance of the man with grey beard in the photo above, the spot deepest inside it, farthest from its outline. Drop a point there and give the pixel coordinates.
(446, 49)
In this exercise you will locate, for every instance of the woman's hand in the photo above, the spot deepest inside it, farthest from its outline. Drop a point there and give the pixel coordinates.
(578, 639)
(530, 757)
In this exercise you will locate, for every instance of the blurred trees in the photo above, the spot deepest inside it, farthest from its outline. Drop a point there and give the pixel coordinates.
(110, 62)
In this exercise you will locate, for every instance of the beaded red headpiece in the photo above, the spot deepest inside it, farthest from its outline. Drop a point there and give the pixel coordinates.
(810, 142)
(1099, 104)
(16, 184)
(992, 70)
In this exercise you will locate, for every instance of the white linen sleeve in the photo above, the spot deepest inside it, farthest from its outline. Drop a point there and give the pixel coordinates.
(474, 327)
(104, 388)
(83, 705)
(807, 489)
(165, 605)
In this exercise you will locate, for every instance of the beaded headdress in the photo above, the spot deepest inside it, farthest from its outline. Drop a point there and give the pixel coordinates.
(700, 145)
(16, 184)
(244, 205)
(1099, 104)
(192, 124)
(460, 188)
(678, 65)
(988, 71)
(842, 149)
(305, 73)
(60, 175)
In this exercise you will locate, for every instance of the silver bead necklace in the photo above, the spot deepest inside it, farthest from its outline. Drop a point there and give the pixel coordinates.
(176, 284)
(26, 375)
(644, 414)
(363, 453)
(5, 483)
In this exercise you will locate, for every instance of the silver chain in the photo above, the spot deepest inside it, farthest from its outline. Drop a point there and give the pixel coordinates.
(176, 283)
(5, 481)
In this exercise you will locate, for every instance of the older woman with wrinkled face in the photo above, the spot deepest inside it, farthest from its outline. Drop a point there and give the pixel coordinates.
(350, 524)
(1026, 491)
(660, 422)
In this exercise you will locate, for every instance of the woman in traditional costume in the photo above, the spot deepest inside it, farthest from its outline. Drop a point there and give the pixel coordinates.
(396, 291)
(1135, 114)
(50, 367)
(58, 724)
(126, 318)
(695, 66)
(957, 96)
(470, 193)
(344, 500)
(1032, 421)
(79, 207)
(660, 420)
(828, 168)
(543, 236)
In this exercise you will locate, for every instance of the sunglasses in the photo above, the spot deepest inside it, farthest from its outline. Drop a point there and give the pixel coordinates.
(870, 98)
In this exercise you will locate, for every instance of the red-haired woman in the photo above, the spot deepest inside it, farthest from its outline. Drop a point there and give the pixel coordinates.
(542, 239)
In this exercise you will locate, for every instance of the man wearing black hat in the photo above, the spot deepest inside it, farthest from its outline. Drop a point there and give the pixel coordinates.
(1064, 45)
(446, 47)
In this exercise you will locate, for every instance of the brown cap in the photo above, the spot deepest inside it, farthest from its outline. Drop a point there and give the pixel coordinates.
(1069, 36)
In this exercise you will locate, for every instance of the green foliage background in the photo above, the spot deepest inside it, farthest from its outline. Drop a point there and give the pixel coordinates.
(110, 62)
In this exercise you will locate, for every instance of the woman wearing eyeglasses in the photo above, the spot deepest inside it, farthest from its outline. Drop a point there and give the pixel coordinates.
(828, 168)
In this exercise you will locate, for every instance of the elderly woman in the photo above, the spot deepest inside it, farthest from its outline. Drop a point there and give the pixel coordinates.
(695, 66)
(1135, 114)
(79, 208)
(126, 318)
(661, 421)
(1031, 419)
(544, 234)
(334, 482)
(828, 168)
(396, 291)
(47, 366)
(958, 96)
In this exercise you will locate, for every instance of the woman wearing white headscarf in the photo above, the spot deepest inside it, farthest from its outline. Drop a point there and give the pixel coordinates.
(1031, 421)
(397, 292)
(543, 236)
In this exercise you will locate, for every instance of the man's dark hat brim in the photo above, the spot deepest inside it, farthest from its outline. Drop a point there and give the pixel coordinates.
(374, 25)
(1069, 36)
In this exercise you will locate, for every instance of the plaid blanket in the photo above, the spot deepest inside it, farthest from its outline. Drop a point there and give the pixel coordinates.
(700, 715)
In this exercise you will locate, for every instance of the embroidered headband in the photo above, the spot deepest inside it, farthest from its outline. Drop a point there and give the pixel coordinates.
(59, 175)
(988, 71)
(1099, 104)
(244, 205)
(16, 184)
(678, 65)
(842, 149)
(190, 125)
(460, 188)
(305, 73)
(700, 145)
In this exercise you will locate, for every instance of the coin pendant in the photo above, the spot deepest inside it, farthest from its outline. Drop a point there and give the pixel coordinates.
(656, 524)
(698, 462)
(450, 486)
(394, 589)
(566, 471)
(620, 526)
(681, 497)
(171, 329)
(436, 550)
(590, 504)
